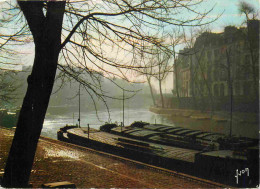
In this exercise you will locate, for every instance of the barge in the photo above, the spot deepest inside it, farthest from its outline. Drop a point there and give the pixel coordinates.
(151, 153)
(204, 154)
(181, 137)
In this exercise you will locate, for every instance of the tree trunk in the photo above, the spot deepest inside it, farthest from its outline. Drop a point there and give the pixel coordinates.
(151, 90)
(192, 80)
(206, 82)
(230, 87)
(46, 31)
(177, 81)
(161, 94)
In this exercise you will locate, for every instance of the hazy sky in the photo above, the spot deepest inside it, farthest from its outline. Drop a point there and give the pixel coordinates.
(230, 16)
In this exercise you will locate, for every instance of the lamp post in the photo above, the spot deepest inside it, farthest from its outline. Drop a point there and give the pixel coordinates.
(123, 107)
(79, 105)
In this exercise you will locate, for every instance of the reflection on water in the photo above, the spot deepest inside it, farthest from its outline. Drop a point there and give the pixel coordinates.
(238, 128)
(52, 123)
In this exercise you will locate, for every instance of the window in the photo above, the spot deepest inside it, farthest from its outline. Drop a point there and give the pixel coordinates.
(246, 73)
(246, 88)
(237, 88)
(222, 89)
(216, 90)
(187, 88)
(202, 87)
(208, 74)
(237, 72)
(247, 59)
(209, 55)
(215, 75)
(216, 53)
(241, 44)
(222, 74)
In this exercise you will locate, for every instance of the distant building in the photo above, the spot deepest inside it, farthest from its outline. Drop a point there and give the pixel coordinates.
(219, 62)
(183, 69)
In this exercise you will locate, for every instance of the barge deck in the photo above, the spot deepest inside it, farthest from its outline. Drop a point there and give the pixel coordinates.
(176, 153)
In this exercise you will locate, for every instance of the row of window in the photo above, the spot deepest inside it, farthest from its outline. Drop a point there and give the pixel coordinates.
(221, 89)
(244, 88)
(235, 48)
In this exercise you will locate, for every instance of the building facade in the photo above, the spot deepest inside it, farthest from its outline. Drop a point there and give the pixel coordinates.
(221, 64)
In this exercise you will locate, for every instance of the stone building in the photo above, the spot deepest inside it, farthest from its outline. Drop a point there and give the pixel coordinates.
(220, 67)
(182, 74)
(219, 62)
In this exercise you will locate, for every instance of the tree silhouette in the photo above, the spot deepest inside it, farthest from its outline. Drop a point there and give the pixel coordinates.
(162, 70)
(247, 9)
(85, 37)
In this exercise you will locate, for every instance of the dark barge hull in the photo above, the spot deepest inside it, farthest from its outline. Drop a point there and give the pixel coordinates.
(209, 165)
(143, 152)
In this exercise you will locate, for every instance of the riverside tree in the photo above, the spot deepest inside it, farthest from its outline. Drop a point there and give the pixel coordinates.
(148, 73)
(176, 38)
(98, 36)
(8, 85)
(162, 70)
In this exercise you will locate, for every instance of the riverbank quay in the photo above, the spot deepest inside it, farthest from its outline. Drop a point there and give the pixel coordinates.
(218, 116)
(58, 161)
(242, 123)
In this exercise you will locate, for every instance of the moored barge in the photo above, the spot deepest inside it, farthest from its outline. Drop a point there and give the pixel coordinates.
(181, 137)
(193, 152)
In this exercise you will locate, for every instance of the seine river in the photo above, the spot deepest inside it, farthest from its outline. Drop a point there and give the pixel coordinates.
(53, 123)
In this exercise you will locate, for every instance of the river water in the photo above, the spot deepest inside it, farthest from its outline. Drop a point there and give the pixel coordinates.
(53, 123)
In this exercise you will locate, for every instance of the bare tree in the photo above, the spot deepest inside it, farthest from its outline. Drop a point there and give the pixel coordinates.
(162, 70)
(176, 38)
(199, 65)
(203, 74)
(11, 37)
(252, 41)
(148, 73)
(46, 31)
(189, 40)
(88, 35)
(247, 9)
(230, 84)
